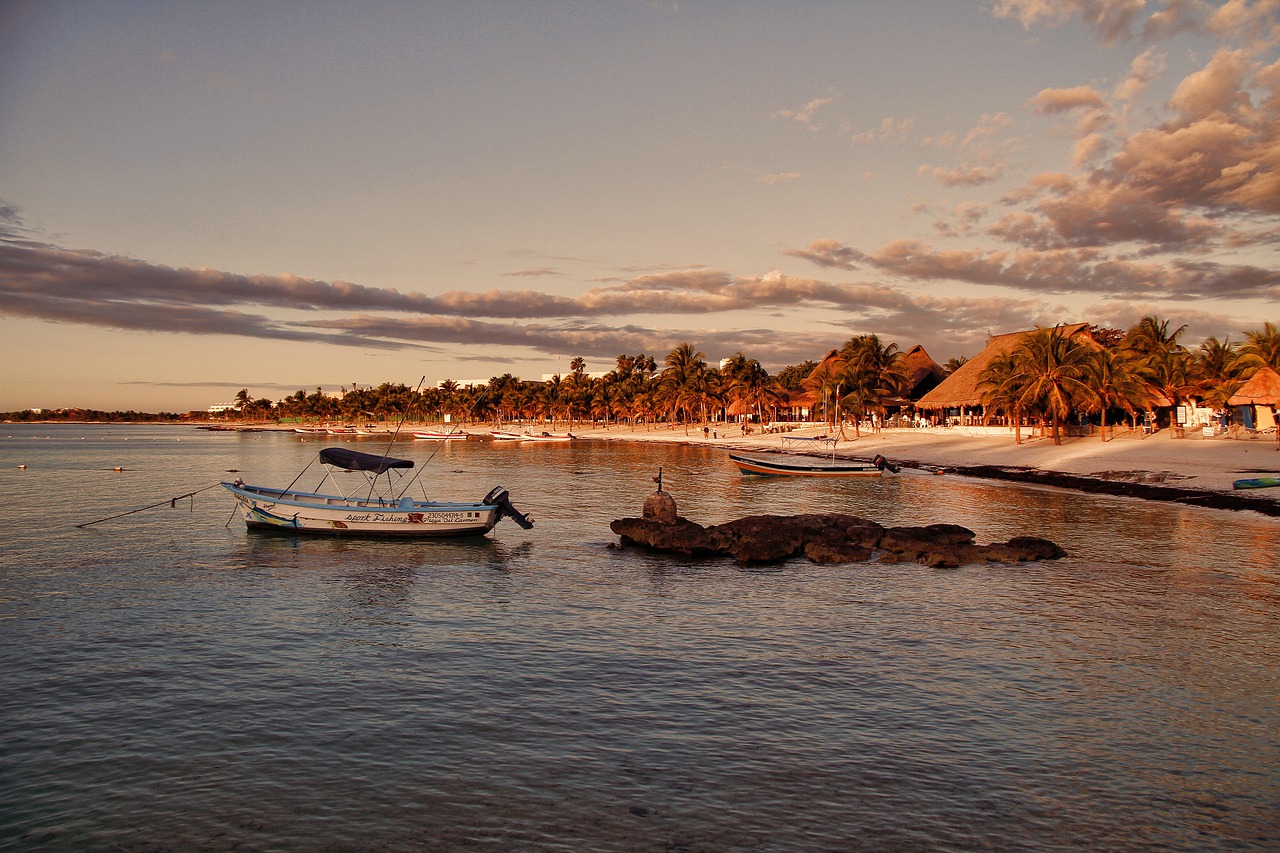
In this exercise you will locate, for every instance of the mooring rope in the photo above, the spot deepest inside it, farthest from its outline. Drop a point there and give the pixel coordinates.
(169, 501)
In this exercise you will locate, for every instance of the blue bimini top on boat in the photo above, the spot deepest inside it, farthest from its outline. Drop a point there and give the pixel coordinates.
(354, 460)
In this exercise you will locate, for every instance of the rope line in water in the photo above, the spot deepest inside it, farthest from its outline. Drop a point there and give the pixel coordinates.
(169, 501)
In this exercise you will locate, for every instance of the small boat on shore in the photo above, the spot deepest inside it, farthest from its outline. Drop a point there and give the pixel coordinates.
(1256, 483)
(381, 509)
(310, 430)
(548, 436)
(505, 435)
(801, 466)
(428, 435)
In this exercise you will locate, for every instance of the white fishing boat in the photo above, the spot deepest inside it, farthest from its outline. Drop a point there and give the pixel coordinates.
(310, 430)
(808, 466)
(504, 435)
(430, 435)
(549, 436)
(379, 507)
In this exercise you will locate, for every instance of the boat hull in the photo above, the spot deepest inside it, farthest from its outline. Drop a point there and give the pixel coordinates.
(795, 467)
(314, 513)
(526, 436)
(441, 436)
(1257, 483)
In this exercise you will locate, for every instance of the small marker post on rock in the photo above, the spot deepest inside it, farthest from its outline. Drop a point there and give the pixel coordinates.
(659, 506)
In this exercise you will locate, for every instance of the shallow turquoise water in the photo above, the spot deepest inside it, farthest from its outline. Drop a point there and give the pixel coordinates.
(170, 680)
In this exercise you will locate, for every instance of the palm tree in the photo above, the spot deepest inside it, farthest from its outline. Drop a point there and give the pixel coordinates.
(1002, 383)
(1161, 360)
(1115, 383)
(824, 382)
(1055, 367)
(1216, 366)
(871, 371)
(1261, 349)
(684, 367)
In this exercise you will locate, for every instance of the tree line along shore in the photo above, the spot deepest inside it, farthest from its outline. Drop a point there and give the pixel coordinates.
(1047, 377)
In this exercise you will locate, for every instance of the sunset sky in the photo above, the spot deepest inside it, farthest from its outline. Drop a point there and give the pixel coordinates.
(198, 197)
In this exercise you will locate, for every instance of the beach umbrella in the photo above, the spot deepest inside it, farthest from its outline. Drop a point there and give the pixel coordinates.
(1263, 389)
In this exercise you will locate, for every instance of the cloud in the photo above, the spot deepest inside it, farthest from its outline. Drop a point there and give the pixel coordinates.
(1143, 70)
(965, 175)
(889, 128)
(805, 115)
(537, 272)
(1111, 20)
(779, 178)
(1060, 271)
(1050, 101)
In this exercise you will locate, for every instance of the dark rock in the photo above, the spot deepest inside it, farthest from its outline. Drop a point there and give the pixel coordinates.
(828, 538)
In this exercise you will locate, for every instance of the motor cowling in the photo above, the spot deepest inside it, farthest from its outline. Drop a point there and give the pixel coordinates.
(884, 464)
(499, 497)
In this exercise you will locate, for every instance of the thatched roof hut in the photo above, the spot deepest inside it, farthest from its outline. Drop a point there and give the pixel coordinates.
(960, 390)
(1262, 389)
(922, 372)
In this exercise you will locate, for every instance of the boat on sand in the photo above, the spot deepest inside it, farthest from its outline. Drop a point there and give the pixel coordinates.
(1256, 483)
(430, 435)
(379, 507)
(506, 435)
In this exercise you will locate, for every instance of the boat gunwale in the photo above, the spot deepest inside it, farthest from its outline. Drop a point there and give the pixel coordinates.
(320, 500)
(843, 468)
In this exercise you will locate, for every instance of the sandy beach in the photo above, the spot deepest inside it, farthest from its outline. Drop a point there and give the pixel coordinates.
(1194, 469)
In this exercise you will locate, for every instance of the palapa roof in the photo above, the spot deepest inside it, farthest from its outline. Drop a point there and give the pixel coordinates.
(1263, 389)
(961, 389)
(922, 372)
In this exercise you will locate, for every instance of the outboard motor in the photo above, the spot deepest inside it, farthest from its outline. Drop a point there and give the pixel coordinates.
(884, 464)
(498, 497)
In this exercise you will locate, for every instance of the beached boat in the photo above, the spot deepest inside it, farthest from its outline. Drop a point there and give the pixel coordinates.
(366, 431)
(547, 436)
(1257, 483)
(428, 435)
(380, 508)
(310, 430)
(806, 466)
(503, 435)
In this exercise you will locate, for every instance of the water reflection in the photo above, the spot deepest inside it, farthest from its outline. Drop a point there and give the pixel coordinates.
(172, 685)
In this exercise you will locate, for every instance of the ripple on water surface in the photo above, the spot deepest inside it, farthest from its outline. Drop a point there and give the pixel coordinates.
(170, 680)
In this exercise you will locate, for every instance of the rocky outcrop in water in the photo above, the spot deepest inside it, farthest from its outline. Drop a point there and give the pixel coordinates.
(828, 538)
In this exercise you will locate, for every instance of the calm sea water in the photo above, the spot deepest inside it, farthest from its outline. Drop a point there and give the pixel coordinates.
(169, 680)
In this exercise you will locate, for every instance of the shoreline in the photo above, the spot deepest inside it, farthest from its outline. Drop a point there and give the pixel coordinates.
(1194, 470)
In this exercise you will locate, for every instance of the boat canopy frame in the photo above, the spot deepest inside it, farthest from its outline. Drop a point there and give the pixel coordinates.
(372, 465)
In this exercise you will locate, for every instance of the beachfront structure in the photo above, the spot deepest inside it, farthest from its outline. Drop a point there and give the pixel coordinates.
(923, 374)
(961, 392)
(1257, 399)
(919, 374)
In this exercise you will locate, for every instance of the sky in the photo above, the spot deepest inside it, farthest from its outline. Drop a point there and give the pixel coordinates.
(198, 197)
